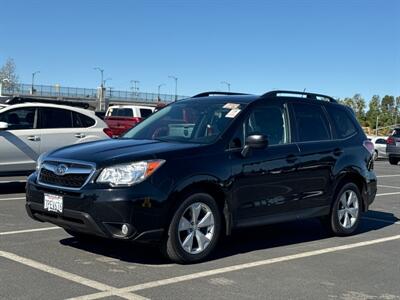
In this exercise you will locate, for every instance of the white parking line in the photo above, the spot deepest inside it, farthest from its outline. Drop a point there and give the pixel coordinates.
(383, 176)
(12, 199)
(69, 276)
(381, 220)
(388, 194)
(168, 281)
(389, 186)
(29, 230)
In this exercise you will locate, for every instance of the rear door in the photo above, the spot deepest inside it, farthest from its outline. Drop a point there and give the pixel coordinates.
(20, 143)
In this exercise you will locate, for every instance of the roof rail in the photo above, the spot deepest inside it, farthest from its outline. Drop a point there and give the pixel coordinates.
(18, 100)
(307, 95)
(208, 94)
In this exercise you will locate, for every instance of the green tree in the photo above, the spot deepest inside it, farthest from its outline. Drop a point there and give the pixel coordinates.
(373, 111)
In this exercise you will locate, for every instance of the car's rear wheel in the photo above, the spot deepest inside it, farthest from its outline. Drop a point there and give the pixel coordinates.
(346, 210)
(194, 230)
(393, 160)
(375, 155)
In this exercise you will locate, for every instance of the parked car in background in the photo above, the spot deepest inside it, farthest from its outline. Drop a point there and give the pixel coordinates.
(201, 167)
(393, 146)
(121, 118)
(379, 145)
(29, 129)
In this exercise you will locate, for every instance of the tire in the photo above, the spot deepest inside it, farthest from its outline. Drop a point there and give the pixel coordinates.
(345, 215)
(393, 161)
(192, 240)
(375, 155)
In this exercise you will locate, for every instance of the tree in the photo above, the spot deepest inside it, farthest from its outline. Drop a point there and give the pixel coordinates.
(374, 111)
(8, 75)
(359, 108)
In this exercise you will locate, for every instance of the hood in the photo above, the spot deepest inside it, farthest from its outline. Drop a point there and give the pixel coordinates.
(108, 152)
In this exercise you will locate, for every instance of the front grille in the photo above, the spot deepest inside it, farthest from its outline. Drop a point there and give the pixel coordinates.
(68, 180)
(74, 176)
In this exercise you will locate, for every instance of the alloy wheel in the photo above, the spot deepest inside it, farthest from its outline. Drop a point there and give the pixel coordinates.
(348, 209)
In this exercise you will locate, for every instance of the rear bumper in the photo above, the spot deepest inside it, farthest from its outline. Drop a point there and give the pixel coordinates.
(393, 151)
(101, 212)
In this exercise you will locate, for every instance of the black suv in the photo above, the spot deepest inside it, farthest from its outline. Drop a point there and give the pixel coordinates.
(200, 167)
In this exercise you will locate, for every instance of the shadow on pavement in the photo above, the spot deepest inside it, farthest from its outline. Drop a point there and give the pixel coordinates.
(242, 241)
(12, 188)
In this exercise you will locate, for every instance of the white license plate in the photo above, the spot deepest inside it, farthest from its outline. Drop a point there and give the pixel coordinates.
(397, 144)
(53, 203)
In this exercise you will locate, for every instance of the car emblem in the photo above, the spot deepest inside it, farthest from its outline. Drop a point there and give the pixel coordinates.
(61, 170)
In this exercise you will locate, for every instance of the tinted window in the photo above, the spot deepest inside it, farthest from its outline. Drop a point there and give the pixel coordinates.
(396, 132)
(145, 112)
(268, 121)
(55, 118)
(82, 121)
(23, 118)
(120, 112)
(311, 123)
(341, 121)
(381, 141)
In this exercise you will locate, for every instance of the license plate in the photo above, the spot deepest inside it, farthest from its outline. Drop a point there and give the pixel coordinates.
(53, 203)
(397, 144)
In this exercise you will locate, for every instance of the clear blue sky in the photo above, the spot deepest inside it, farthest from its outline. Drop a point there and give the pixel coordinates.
(334, 47)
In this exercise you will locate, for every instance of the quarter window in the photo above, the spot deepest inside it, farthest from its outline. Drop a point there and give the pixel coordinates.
(82, 121)
(145, 112)
(311, 122)
(341, 121)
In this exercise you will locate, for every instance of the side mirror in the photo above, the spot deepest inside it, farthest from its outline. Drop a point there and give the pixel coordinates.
(255, 141)
(3, 125)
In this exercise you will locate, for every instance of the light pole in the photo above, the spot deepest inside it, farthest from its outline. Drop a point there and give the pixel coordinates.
(33, 81)
(377, 121)
(135, 87)
(102, 75)
(176, 86)
(227, 84)
(158, 94)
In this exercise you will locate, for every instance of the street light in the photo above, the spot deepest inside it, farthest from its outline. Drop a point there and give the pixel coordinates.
(102, 75)
(135, 87)
(159, 87)
(33, 80)
(176, 85)
(227, 84)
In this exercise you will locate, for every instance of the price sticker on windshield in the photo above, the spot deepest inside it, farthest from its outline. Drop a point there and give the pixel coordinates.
(232, 113)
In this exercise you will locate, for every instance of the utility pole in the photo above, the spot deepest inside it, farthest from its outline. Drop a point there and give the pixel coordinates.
(33, 82)
(135, 87)
(176, 86)
(102, 93)
(227, 84)
(158, 94)
(376, 128)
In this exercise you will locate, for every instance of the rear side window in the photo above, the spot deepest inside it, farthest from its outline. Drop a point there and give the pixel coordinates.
(55, 118)
(311, 122)
(82, 121)
(396, 132)
(341, 121)
(120, 112)
(145, 112)
(381, 141)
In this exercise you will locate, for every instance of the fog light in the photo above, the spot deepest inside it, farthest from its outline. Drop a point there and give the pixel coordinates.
(125, 229)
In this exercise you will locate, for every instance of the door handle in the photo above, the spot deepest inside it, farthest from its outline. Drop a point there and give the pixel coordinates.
(34, 138)
(337, 152)
(291, 158)
(80, 135)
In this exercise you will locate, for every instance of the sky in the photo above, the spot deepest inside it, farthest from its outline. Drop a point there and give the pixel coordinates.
(337, 47)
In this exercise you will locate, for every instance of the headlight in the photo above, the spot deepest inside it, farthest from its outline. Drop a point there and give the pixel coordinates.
(40, 160)
(129, 174)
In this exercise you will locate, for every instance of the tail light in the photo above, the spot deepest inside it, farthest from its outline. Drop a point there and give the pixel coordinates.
(136, 120)
(390, 140)
(108, 131)
(369, 146)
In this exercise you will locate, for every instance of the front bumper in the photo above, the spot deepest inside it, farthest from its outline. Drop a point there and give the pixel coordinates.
(102, 212)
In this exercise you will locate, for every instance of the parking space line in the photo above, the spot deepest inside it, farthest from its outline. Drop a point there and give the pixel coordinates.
(381, 220)
(388, 194)
(383, 176)
(12, 199)
(69, 276)
(173, 280)
(389, 186)
(29, 230)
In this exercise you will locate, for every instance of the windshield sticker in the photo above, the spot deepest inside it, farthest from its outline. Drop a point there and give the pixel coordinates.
(232, 113)
(231, 105)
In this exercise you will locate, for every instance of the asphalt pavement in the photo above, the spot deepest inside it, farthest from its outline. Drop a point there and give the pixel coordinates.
(296, 260)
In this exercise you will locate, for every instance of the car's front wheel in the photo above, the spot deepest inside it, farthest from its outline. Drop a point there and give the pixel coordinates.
(393, 160)
(346, 210)
(194, 230)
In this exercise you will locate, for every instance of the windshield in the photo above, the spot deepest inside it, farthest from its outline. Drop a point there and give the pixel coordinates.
(191, 121)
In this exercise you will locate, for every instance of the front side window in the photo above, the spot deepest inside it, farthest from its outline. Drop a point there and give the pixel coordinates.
(311, 123)
(192, 121)
(55, 118)
(18, 119)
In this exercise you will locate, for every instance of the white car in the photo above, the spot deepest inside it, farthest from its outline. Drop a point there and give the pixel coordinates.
(380, 146)
(29, 129)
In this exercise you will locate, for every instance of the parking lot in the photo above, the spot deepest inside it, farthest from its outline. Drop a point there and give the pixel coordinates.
(297, 260)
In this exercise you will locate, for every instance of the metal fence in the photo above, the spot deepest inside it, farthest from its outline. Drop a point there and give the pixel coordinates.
(84, 93)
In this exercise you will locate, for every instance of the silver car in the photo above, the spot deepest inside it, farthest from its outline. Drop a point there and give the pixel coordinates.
(393, 147)
(379, 145)
(29, 129)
